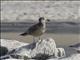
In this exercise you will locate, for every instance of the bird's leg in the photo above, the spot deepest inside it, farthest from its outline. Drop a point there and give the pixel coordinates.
(34, 39)
(39, 37)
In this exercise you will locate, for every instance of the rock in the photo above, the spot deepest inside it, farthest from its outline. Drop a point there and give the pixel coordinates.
(41, 57)
(11, 44)
(41, 50)
(5, 57)
(76, 47)
(72, 57)
(44, 49)
(60, 52)
(3, 51)
(24, 51)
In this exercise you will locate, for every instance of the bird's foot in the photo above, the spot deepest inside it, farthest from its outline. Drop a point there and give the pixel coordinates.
(34, 41)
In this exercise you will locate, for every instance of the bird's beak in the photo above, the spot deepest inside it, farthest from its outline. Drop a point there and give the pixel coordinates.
(48, 20)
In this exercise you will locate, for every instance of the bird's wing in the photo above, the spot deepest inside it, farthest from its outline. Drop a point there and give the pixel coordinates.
(33, 28)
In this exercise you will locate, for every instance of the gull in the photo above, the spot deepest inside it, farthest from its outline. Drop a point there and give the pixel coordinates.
(76, 47)
(36, 30)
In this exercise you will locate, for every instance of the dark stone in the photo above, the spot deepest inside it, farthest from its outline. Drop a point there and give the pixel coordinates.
(16, 56)
(78, 51)
(41, 57)
(6, 57)
(3, 51)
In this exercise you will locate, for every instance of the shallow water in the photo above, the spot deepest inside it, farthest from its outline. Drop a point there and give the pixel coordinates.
(60, 39)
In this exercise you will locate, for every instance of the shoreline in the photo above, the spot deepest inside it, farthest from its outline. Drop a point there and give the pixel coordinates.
(60, 39)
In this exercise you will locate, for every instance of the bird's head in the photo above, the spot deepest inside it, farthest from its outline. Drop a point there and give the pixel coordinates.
(42, 19)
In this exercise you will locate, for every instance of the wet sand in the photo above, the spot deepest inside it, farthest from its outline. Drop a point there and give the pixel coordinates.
(60, 39)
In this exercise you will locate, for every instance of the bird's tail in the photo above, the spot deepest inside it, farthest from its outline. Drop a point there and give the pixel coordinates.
(24, 34)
